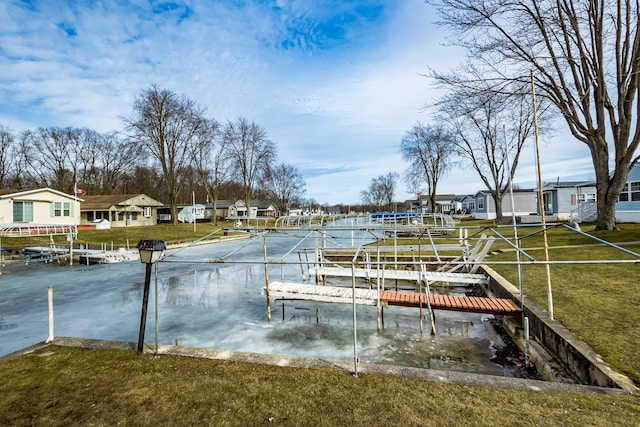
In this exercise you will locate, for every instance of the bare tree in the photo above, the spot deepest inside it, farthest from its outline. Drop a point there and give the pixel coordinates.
(6, 154)
(429, 150)
(381, 191)
(103, 159)
(22, 173)
(250, 152)
(116, 157)
(490, 129)
(286, 186)
(53, 157)
(211, 163)
(586, 60)
(168, 126)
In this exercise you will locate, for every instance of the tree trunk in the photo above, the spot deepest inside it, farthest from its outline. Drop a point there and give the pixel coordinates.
(606, 214)
(497, 200)
(608, 186)
(215, 208)
(173, 204)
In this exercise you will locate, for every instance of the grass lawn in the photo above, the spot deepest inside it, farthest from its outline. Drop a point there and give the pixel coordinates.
(71, 386)
(121, 236)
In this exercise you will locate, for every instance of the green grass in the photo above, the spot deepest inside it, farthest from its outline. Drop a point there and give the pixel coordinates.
(121, 236)
(71, 386)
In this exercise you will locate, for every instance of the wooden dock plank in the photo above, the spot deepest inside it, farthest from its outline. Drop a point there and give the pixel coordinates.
(288, 290)
(408, 275)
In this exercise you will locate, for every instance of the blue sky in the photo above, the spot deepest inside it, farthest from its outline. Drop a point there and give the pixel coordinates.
(334, 83)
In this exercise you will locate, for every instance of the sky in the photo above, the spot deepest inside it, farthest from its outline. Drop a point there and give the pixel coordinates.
(335, 84)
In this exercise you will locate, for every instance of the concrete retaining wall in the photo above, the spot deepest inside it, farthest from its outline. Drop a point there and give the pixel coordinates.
(580, 360)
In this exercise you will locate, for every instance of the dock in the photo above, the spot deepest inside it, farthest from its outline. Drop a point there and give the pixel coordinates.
(408, 275)
(345, 295)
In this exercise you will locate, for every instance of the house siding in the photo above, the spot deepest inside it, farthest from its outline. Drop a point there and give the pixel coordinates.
(629, 211)
(121, 212)
(524, 202)
(43, 201)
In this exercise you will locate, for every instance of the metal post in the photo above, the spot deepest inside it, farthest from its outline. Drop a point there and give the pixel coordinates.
(355, 334)
(156, 314)
(145, 302)
(50, 292)
(70, 249)
(541, 201)
(266, 278)
(193, 211)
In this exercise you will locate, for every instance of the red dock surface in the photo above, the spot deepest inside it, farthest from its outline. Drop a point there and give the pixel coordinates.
(499, 306)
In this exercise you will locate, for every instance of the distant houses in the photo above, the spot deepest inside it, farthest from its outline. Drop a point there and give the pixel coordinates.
(563, 201)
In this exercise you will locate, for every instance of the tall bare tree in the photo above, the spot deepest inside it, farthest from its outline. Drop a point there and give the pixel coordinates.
(586, 60)
(168, 126)
(286, 186)
(211, 163)
(381, 191)
(489, 129)
(429, 150)
(7, 148)
(250, 152)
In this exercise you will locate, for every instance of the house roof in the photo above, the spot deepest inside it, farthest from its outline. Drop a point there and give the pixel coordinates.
(108, 200)
(492, 192)
(8, 192)
(568, 184)
(259, 204)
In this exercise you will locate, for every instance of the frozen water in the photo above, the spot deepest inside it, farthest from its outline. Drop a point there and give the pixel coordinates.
(220, 305)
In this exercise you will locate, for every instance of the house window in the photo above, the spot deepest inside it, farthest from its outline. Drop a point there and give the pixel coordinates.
(22, 211)
(635, 191)
(146, 211)
(472, 206)
(134, 216)
(481, 203)
(61, 209)
(624, 194)
(587, 197)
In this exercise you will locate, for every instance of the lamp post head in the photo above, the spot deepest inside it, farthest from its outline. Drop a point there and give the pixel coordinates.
(150, 250)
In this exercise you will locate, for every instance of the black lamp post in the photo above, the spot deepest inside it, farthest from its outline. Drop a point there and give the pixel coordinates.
(150, 252)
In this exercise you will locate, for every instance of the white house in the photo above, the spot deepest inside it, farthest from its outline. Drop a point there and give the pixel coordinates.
(38, 206)
(257, 209)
